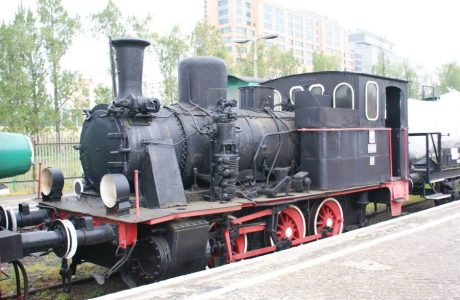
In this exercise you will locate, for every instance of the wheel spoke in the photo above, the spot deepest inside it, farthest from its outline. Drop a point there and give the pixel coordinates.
(326, 212)
(291, 224)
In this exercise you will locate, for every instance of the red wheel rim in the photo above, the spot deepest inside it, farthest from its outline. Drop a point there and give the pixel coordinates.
(329, 213)
(241, 244)
(291, 224)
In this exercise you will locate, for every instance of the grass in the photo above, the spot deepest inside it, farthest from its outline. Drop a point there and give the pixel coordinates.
(44, 271)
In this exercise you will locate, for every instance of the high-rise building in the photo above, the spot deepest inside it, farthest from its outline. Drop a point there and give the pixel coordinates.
(369, 48)
(301, 32)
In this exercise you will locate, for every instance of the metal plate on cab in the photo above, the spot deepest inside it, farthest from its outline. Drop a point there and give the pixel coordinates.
(371, 148)
(371, 136)
(371, 160)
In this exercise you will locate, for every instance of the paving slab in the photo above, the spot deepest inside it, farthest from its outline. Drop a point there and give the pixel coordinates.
(410, 257)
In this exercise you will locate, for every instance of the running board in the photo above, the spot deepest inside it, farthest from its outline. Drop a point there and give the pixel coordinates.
(438, 196)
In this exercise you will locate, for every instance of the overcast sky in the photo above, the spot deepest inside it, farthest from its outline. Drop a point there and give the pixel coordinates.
(425, 32)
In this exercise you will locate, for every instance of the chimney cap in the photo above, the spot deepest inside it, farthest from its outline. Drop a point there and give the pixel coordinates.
(130, 41)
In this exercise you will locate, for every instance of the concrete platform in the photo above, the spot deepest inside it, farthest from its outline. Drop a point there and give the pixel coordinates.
(411, 257)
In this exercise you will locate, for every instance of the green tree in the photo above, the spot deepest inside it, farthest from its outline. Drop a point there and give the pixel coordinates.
(102, 94)
(206, 40)
(449, 77)
(271, 62)
(58, 30)
(73, 93)
(24, 105)
(109, 21)
(170, 49)
(280, 63)
(325, 62)
(400, 70)
(245, 60)
(388, 68)
(412, 76)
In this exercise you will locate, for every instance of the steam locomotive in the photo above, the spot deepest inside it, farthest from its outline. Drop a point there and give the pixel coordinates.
(208, 180)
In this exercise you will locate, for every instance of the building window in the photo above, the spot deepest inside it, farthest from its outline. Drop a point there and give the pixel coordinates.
(279, 18)
(372, 100)
(292, 94)
(298, 32)
(268, 17)
(226, 30)
(241, 30)
(344, 96)
(316, 89)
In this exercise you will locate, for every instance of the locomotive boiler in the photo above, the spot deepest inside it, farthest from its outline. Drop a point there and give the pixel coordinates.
(114, 137)
(168, 190)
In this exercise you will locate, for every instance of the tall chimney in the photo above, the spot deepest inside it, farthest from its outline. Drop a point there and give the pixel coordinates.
(130, 60)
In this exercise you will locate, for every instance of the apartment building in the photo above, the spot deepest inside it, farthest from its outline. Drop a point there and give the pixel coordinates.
(301, 32)
(369, 48)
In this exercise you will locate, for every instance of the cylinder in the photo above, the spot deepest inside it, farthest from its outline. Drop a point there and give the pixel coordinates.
(98, 235)
(31, 219)
(16, 154)
(130, 60)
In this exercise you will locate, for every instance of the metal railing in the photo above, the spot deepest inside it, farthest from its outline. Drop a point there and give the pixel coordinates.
(433, 153)
(59, 155)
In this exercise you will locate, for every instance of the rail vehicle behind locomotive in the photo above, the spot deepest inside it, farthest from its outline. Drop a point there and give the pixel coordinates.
(16, 156)
(171, 190)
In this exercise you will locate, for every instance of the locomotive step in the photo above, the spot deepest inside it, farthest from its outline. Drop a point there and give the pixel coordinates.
(438, 196)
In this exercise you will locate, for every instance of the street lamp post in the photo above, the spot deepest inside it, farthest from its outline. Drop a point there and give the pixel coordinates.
(254, 41)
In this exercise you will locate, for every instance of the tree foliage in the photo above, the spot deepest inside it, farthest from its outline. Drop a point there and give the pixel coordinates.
(58, 30)
(386, 67)
(400, 70)
(325, 62)
(271, 62)
(102, 94)
(280, 63)
(449, 77)
(206, 40)
(24, 105)
(170, 49)
(110, 22)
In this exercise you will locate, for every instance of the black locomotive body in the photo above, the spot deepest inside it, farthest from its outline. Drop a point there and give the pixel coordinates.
(201, 182)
